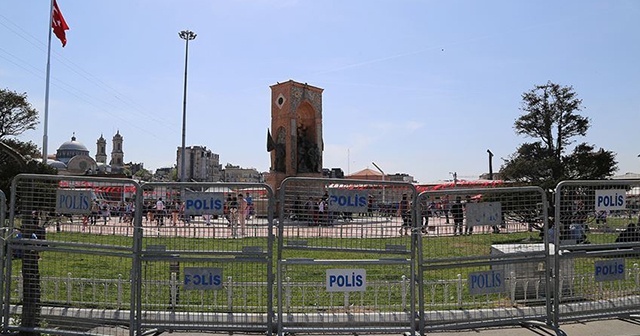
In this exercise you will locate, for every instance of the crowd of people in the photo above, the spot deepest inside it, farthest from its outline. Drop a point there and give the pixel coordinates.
(237, 210)
(316, 211)
(103, 211)
(451, 211)
(313, 211)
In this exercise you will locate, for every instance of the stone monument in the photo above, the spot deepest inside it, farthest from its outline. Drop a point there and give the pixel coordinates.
(295, 139)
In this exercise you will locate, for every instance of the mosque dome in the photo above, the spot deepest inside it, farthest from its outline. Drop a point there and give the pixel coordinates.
(73, 145)
(56, 164)
(72, 157)
(70, 149)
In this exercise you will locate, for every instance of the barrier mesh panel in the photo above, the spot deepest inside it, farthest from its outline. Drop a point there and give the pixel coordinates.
(206, 257)
(483, 253)
(70, 254)
(224, 294)
(3, 234)
(596, 227)
(236, 215)
(345, 216)
(346, 296)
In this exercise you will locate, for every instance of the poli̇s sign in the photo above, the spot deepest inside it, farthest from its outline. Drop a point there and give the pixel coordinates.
(347, 200)
(609, 270)
(611, 199)
(485, 213)
(71, 201)
(346, 280)
(204, 203)
(486, 282)
(202, 278)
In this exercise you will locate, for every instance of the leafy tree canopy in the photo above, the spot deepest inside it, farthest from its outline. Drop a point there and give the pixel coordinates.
(9, 168)
(26, 149)
(551, 115)
(144, 174)
(16, 114)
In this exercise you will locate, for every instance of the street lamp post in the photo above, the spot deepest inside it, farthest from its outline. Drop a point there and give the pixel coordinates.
(383, 174)
(186, 35)
(490, 164)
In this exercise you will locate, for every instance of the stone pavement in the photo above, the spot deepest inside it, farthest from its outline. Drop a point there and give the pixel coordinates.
(612, 327)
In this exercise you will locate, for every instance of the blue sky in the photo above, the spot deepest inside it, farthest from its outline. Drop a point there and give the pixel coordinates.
(418, 87)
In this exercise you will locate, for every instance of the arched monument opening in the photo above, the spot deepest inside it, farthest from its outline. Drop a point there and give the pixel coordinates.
(307, 147)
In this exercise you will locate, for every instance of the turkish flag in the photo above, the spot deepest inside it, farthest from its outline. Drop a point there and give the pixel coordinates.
(58, 24)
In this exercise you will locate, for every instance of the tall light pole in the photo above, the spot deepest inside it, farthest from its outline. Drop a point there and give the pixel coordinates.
(383, 174)
(186, 35)
(490, 164)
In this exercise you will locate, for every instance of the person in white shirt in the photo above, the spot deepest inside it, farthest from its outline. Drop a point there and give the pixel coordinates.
(160, 211)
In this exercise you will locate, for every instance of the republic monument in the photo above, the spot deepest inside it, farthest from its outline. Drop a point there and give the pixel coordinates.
(295, 139)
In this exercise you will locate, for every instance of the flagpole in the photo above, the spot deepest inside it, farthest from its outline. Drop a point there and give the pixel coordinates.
(45, 136)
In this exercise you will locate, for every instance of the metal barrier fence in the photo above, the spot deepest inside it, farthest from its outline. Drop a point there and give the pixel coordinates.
(598, 243)
(105, 256)
(344, 256)
(338, 215)
(483, 261)
(63, 227)
(346, 296)
(206, 257)
(3, 240)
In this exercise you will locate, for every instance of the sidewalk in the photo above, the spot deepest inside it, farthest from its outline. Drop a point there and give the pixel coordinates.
(614, 327)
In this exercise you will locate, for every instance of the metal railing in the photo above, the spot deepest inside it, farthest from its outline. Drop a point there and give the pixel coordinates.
(487, 242)
(596, 232)
(132, 271)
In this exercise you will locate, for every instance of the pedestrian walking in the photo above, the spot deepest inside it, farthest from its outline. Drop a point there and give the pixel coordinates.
(404, 211)
(457, 212)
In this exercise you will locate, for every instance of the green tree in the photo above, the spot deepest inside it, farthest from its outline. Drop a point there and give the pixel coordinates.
(16, 114)
(551, 115)
(16, 117)
(144, 174)
(26, 149)
(174, 174)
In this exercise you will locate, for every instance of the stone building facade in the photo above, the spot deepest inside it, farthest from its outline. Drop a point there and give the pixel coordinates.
(201, 164)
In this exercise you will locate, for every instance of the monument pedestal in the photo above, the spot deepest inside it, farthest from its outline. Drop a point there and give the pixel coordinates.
(274, 179)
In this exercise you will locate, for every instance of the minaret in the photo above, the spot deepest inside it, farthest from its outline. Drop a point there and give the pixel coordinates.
(101, 154)
(117, 155)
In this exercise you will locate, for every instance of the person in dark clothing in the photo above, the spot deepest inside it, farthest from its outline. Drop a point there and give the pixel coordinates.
(297, 209)
(468, 229)
(31, 287)
(457, 213)
(404, 210)
(370, 206)
(308, 211)
(424, 217)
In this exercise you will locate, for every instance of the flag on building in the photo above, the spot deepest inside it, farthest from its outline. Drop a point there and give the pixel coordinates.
(58, 24)
(271, 145)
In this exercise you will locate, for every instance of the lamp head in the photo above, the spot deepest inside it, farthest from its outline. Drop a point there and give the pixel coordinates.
(187, 35)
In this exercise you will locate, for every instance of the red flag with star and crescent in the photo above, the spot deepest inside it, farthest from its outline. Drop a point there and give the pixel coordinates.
(58, 24)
